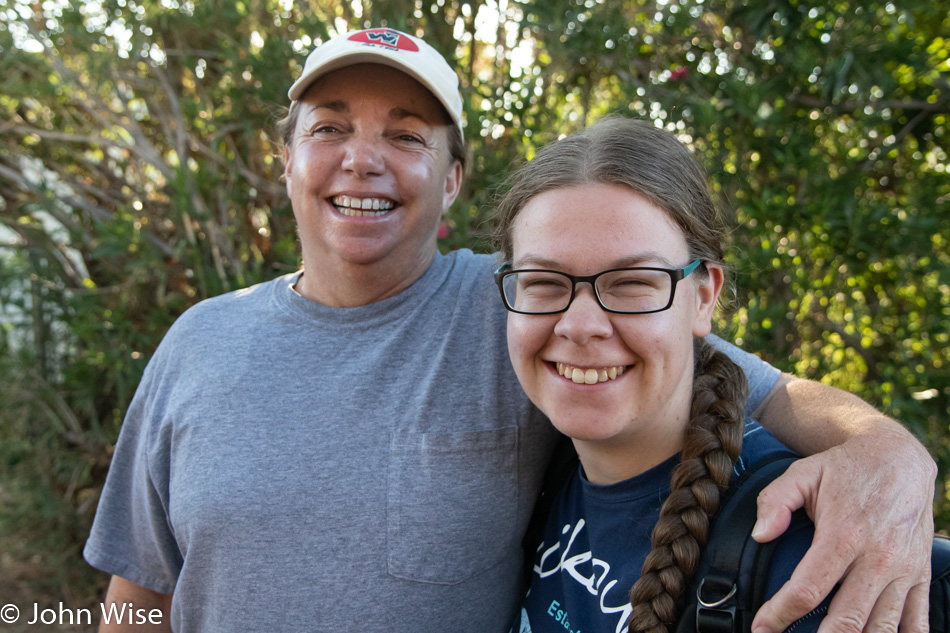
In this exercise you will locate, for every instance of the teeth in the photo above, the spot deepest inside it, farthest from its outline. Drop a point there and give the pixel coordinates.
(362, 214)
(362, 207)
(590, 376)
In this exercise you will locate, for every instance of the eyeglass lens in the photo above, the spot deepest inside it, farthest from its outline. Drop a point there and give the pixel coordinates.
(636, 290)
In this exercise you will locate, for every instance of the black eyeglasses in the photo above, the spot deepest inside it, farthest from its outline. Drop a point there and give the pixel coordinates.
(639, 290)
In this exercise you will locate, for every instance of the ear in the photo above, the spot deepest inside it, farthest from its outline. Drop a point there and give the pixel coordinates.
(288, 167)
(707, 294)
(453, 185)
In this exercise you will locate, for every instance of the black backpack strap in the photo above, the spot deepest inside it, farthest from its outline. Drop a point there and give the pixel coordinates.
(940, 585)
(722, 591)
(560, 468)
(729, 585)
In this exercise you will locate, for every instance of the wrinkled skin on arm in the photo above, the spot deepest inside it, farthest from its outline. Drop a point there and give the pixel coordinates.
(868, 486)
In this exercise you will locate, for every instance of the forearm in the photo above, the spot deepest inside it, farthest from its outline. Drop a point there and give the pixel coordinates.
(144, 601)
(810, 417)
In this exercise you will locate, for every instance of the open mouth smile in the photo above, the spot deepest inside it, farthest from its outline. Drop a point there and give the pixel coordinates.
(590, 376)
(362, 207)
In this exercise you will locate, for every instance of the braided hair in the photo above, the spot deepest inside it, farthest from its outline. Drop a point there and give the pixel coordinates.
(710, 449)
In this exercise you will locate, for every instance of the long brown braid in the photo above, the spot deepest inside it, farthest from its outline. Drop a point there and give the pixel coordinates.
(710, 449)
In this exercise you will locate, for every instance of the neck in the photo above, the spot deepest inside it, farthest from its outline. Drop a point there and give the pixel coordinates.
(612, 461)
(351, 285)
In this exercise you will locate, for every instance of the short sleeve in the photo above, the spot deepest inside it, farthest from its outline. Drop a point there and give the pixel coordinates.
(761, 376)
(131, 535)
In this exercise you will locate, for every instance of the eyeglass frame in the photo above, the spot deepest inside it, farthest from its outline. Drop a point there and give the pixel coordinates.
(676, 275)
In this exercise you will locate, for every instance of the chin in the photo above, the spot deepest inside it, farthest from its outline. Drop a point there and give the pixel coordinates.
(591, 429)
(364, 251)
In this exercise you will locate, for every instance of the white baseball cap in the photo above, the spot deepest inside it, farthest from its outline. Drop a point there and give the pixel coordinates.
(390, 48)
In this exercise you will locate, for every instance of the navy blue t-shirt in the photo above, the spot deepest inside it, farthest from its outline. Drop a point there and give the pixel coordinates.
(597, 538)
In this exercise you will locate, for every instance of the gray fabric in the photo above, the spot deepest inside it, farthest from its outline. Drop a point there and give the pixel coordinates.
(761, 375)
(286, 466)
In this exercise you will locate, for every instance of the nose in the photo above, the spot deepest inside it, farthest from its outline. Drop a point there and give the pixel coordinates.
(584, 319)
(364, 156)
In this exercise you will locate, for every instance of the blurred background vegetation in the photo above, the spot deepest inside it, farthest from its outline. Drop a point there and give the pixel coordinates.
(139, 174)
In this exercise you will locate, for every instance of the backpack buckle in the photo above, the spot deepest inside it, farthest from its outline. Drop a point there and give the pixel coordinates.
(716, 616)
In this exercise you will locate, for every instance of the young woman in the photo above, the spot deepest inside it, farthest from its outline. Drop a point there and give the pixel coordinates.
(613, 268)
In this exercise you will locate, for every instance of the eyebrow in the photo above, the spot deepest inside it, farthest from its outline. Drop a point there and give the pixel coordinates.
(648, 259)
(401, 113)
(336, 106)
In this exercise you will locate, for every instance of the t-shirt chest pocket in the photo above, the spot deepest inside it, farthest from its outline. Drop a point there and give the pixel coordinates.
(452, 503)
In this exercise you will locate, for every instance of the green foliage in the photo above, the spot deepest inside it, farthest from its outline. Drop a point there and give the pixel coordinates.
(139, 173)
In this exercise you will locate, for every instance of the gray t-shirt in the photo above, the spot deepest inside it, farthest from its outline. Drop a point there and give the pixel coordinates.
(287, 466)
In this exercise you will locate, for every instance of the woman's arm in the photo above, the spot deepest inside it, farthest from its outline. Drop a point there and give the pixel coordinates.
(122, 592)
(869, 489)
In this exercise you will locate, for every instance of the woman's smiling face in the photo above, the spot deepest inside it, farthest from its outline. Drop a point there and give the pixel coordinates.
(369, 173)
(638, 409)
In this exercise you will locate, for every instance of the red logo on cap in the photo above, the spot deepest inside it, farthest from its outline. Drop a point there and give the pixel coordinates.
(385, 37)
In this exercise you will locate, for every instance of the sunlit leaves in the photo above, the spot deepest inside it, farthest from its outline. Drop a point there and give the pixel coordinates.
(143, 131)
